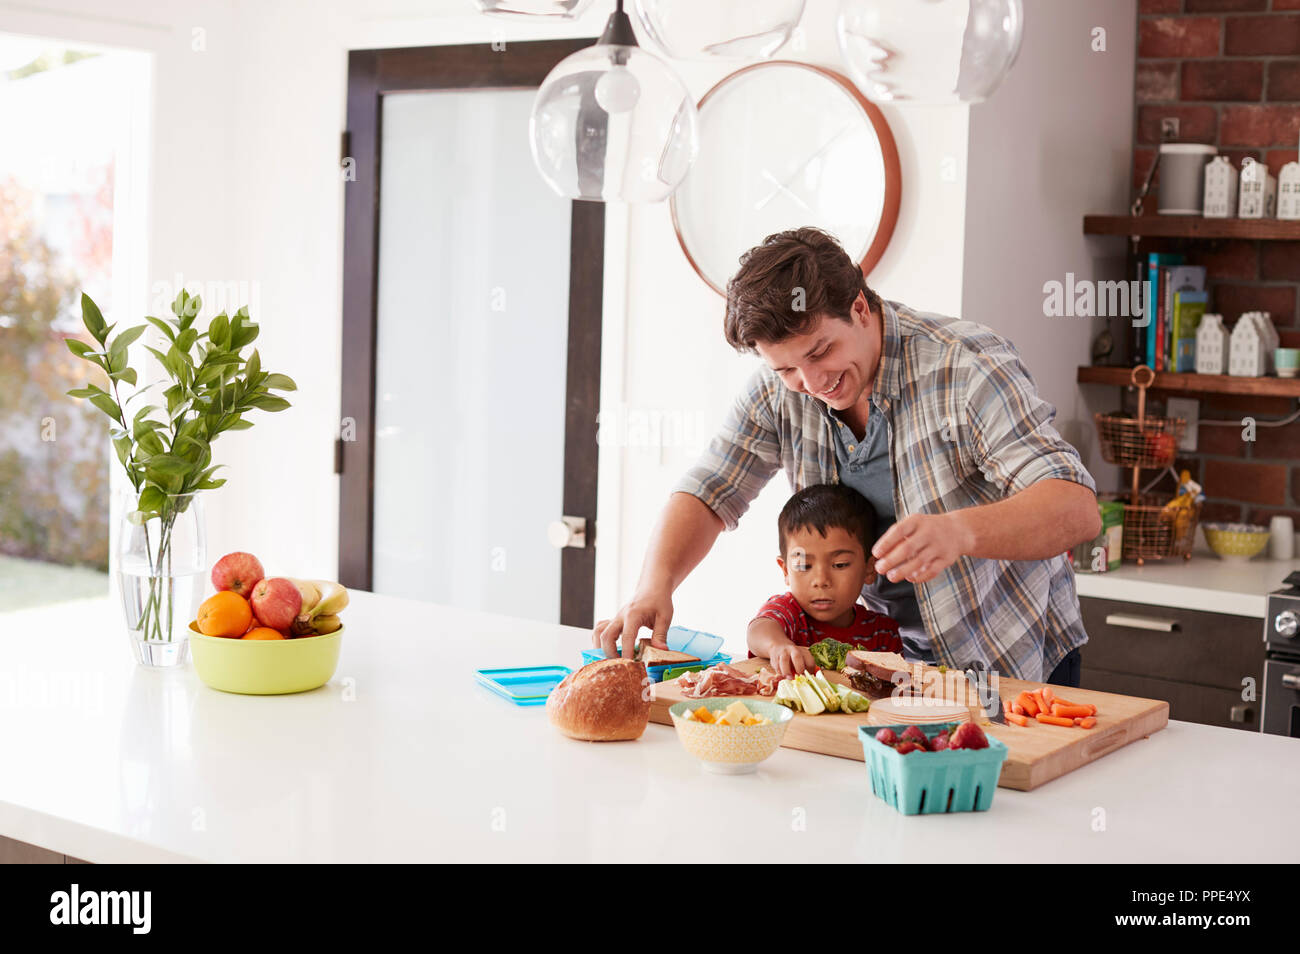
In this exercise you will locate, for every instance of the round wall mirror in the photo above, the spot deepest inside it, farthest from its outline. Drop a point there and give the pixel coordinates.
(785, 145)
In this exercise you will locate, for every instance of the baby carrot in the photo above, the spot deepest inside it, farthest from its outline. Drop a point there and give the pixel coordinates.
(1031, 707)
(1017, 719)
(1017, 708)
(1087, 723)
(1070, 712)
(1048, 695)
(1077, 705)
(1053, 720)
(1043, 704)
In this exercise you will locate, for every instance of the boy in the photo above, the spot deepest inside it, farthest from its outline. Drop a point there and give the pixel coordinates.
(826, 532)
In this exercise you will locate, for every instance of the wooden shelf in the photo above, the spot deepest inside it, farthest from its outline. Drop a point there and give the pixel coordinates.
(1196, 383)
(1192, 226)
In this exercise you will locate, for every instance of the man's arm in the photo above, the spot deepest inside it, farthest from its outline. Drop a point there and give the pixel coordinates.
(682, 538)
(1039, 522)
(1049, 502)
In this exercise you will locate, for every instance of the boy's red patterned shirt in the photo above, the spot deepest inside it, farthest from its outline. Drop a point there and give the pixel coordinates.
(871, 631)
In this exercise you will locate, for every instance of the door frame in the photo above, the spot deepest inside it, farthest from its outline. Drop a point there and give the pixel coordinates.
(371, 75)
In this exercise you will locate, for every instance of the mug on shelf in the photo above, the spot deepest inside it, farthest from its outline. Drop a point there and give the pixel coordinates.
(1287, 362)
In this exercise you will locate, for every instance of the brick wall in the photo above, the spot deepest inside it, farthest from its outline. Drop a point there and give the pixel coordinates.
(1229, 70)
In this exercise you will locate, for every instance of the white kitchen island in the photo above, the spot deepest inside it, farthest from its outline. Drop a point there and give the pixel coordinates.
(403, 757)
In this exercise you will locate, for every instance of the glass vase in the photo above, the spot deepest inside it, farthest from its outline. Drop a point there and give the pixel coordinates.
(160, 574)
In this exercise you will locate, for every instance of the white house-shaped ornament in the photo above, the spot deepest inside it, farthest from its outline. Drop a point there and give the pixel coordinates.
(1211, 345)
(1246, 349)
(1288, 191)
(1220, 189)
(1257, 192)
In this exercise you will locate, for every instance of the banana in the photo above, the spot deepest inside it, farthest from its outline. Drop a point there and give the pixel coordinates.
(334, 599)
(326, 624)
(322, 600)
(310, 595)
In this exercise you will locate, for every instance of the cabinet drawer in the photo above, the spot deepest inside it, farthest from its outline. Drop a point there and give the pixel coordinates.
(1211, 649)
(1187, 703)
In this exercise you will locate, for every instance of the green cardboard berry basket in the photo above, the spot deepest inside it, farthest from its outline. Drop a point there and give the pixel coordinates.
(927, 783)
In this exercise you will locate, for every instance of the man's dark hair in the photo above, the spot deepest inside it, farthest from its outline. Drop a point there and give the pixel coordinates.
(786, 284)
(821, 506)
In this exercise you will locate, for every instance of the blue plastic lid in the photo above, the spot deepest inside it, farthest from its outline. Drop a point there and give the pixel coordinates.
(524, 686)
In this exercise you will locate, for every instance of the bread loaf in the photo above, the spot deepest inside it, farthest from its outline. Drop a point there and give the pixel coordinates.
(604, 701)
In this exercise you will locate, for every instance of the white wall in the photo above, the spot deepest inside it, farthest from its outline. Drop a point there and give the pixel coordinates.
(246, 187)
(1054, 143)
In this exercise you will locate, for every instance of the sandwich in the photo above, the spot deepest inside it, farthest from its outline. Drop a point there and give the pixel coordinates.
(876, 674)
(652, 656)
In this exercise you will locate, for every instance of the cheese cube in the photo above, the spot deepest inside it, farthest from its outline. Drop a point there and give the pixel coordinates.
(737, 712)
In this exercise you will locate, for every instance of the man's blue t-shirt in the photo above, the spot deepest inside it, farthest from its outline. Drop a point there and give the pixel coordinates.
(864, 466)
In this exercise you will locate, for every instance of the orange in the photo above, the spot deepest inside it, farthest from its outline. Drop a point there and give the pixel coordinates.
(263, 632)
(224, 614)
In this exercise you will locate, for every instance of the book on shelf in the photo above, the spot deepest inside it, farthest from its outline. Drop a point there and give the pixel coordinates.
(1176, 278)
(1187, 310)
(1152, 287)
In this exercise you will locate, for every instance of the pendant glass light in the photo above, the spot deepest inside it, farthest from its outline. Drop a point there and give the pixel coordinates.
(743, 29)
(559, 9)
(929, 51)
(613, 122)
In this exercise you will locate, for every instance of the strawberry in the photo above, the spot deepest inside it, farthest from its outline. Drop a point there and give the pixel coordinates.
(968, 736)
(914, 734)
(886, 736)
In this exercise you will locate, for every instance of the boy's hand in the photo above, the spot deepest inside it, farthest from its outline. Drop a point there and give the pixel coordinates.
(791, 660)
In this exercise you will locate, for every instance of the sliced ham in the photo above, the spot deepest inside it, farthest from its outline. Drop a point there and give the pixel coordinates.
(725, 680)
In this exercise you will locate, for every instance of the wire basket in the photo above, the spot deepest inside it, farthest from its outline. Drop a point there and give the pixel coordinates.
(1151, 442)
(1153, 531)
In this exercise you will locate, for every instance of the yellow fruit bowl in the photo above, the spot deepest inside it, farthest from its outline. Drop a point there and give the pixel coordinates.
(265, 667)
(1235, 541)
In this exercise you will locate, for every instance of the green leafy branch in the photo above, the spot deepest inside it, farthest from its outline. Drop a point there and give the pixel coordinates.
(167, 450)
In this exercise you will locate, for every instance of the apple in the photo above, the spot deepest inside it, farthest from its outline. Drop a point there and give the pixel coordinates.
(276, 602)
(237, 572)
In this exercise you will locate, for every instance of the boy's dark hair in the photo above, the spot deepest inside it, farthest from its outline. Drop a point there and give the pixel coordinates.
(786, 284)
(821, 506)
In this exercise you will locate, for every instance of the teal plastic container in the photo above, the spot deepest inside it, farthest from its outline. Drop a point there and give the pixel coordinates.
(928, 783)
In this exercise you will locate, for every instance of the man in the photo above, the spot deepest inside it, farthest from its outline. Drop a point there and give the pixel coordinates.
(933, 420)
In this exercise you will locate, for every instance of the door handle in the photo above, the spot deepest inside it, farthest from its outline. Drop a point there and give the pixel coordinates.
(1134, 621)
(1291, 680)
(567, 532)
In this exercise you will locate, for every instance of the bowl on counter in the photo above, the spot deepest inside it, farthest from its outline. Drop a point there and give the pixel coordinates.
(731, 749)
(1235, 541)
(265, 667)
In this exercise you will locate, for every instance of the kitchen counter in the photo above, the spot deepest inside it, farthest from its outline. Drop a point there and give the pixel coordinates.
(1202, 583)
(402, 757)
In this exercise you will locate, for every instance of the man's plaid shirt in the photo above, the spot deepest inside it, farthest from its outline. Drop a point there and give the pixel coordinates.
(966, 427)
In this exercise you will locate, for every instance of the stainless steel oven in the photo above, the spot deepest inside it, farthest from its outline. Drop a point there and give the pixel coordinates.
(1281, 690)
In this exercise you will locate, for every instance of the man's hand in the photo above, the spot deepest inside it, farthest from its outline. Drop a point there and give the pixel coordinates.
(650, 608)
(790, 660)
(921, 546)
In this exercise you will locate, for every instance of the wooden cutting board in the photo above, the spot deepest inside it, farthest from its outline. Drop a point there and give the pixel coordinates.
(1035, 754)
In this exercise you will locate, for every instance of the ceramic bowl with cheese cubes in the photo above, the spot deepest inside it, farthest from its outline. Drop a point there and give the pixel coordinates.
(730, 735)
